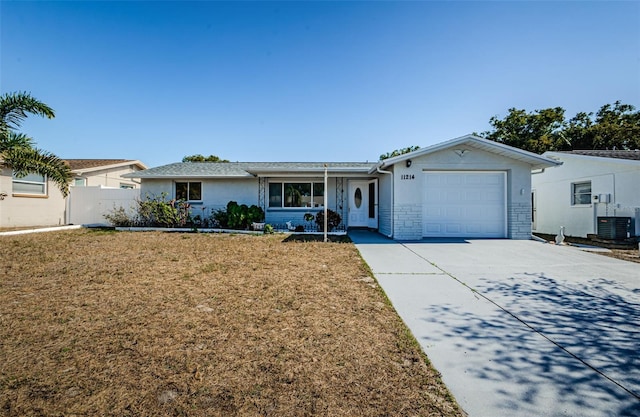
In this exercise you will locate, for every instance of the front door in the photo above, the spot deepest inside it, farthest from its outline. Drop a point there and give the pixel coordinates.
(362, 204)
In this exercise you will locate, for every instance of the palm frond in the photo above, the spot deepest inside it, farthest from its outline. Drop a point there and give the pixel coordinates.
(10, 140)
(15, 106)
(24, 161)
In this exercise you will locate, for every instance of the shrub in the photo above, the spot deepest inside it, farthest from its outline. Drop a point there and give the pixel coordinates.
(118, 217)
(153, 212)
(333, 220)
(268, 229)
(158, 211)
(238, 217)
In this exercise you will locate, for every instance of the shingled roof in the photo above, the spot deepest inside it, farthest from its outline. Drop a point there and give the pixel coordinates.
(89, 164)
(615, 154)
(246, 169)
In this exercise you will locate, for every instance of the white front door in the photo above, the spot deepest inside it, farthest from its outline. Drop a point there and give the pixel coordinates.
(358, 204)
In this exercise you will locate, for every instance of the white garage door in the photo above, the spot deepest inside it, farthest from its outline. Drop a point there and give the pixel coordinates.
(464, 204)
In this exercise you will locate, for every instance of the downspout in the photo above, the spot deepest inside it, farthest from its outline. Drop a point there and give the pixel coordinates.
(380, 171)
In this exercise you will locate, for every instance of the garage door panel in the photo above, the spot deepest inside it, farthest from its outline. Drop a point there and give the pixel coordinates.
(474, 228)
(475, 208)
(454, 213)
(494, 196)
(453, 180)
(474, 195)
(434, 228)
(453, 228)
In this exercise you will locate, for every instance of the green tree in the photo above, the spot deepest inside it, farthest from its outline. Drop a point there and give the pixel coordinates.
(202, 158)
(538, 131)
(614, 126)
(18, 150)
(398, 152)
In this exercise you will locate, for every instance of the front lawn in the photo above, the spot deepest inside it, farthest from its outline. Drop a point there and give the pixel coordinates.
(109, 323)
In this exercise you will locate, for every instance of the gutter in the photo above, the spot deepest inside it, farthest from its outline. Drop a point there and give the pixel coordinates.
(380, 171)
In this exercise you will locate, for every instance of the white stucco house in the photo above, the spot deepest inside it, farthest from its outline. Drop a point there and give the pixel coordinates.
(35, 201)
(465, 187)
(592, 189)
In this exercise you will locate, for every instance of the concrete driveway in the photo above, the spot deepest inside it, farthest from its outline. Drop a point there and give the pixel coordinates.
(518, 328)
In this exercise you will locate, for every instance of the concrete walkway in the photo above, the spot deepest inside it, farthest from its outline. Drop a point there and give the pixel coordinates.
(518, 328)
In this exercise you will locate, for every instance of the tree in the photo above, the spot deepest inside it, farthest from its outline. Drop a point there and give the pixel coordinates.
(201, 158)
(538, 131)
(614, 126)
(17, 150)
(398, 152)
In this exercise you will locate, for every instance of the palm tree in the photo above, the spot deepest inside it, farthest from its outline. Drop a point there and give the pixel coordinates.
(17, 150)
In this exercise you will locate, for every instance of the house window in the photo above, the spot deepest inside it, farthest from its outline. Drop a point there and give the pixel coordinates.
(191, 191)
(296, 194)
(581, 193)
(126, 186)
(33, 184)
(275, 194)
(79, 182)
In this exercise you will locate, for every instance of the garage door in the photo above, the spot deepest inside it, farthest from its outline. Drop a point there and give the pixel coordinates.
(464, 204)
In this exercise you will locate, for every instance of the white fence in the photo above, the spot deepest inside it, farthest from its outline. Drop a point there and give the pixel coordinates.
(88, 205)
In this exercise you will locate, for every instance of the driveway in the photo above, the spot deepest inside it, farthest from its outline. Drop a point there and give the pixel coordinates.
(518, 328)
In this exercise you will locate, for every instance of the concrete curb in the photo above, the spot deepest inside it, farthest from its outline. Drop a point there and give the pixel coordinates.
(42, 230)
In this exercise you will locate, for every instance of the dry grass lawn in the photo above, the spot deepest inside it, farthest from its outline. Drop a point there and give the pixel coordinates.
(107, 323)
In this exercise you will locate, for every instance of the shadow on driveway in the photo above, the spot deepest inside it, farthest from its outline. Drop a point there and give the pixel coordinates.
(583, 355)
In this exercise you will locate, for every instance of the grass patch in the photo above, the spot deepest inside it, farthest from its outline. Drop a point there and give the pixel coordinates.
(213, 325)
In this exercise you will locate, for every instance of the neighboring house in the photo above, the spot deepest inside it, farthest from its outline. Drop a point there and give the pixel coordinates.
(466, 187)
(589, 184)
(35, 201)
(104, 172)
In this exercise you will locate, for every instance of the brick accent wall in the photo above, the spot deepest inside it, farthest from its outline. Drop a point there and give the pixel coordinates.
(407, 221)
(519, 221)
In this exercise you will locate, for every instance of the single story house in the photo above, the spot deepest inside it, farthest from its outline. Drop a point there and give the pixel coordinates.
(465, 187)
(104, 172)
(591, 189)
(35, 201)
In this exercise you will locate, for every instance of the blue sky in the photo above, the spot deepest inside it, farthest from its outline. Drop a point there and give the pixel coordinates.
(305, 81)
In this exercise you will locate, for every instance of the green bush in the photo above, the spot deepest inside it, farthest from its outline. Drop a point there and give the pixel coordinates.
(153, 212)
(158, 211)
(333, 220)
(237, 216)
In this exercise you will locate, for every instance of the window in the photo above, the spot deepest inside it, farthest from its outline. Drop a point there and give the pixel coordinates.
(79, 182)
(275, 194)
(34, 184)
(581, 193)
(372, 200)
(126, 186)
(296, 194)
(191, 191)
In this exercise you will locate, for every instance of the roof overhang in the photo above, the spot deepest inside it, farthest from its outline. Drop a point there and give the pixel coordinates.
(245, 170)
(559, 156)
(471, 141)
(136, 163)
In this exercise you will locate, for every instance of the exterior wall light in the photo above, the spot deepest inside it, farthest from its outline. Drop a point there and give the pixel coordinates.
(409, 163)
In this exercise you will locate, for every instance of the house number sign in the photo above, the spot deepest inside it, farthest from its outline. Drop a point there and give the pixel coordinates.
(408, 177)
